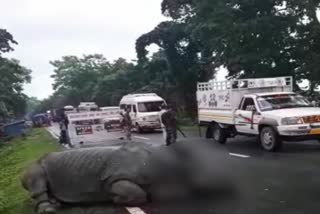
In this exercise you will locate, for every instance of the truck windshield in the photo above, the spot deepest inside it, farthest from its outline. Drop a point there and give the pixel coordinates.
(150, 106)
(273, 102)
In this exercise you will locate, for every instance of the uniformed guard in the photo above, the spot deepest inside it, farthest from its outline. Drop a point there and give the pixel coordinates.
(163, 108)
(169, 120)
(63, 133)
(127, 123)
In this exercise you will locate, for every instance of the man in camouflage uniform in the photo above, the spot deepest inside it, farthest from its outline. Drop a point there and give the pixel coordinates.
(163, 109)
(64, 136)
(168, 119)
(127, 123)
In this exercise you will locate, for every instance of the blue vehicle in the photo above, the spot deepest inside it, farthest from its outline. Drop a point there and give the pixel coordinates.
(41, 120)
(14, 129)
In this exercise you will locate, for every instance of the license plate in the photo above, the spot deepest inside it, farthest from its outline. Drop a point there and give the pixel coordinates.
(315, 131)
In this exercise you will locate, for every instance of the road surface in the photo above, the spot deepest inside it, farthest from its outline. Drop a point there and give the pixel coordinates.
(287, 182)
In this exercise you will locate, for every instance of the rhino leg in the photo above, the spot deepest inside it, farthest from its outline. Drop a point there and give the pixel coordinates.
(128, 193)
(35, 182)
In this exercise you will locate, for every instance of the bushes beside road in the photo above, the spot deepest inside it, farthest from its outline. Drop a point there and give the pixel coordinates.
(14, 158)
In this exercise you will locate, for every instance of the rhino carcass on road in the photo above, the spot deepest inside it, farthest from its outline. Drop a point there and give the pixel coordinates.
(129, 175)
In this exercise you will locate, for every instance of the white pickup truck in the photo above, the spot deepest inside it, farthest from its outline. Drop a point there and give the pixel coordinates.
(263, 107)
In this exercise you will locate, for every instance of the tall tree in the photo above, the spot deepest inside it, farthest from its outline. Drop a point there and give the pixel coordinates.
(254, 38)
(182, 59)
(13, 77)
(79, 76)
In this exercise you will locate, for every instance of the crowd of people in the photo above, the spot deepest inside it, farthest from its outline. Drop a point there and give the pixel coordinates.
(167, 117)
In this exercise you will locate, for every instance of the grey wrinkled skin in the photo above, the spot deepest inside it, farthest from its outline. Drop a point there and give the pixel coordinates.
(126, 176)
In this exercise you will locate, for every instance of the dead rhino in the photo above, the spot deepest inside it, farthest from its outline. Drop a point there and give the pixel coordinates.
(129, 175)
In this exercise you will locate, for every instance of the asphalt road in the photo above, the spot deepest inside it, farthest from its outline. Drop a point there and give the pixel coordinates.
(287, 182)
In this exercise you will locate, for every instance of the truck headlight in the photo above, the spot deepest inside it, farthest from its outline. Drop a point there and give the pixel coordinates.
(292, 121)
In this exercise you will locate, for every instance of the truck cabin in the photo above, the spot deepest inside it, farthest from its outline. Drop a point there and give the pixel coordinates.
(273, 101)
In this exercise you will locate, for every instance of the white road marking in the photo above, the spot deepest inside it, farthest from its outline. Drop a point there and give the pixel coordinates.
(142, 138)
(239, 155)
(135, 210)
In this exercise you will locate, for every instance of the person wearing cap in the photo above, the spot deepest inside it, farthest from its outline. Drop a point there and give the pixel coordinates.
(169, 121)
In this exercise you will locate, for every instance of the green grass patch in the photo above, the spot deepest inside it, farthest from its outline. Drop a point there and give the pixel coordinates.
(15, 156)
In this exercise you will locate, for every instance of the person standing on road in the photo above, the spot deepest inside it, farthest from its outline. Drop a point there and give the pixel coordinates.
(63, 133)
(64, 136)
(66, 120)
(169, 120)
(163, 108)
(127, 123)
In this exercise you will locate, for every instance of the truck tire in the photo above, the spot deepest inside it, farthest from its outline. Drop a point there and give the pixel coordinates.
(269, 139)
(219, 135)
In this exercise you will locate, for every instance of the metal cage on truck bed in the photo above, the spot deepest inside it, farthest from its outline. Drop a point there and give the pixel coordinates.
(223, 97)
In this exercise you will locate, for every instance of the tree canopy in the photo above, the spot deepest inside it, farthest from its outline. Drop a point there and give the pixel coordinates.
(254, 38)
(13, 77)
(6, 39)
(93, 78)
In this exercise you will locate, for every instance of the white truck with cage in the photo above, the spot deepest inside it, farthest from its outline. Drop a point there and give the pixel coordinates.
(265, 107)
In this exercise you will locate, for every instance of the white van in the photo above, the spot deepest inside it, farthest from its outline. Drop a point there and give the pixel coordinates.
(145, 110)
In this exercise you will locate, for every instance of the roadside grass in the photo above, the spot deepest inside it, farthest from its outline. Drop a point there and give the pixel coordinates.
(15, 156)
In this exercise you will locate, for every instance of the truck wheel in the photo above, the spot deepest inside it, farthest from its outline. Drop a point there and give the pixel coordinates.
(269, 139)
(219, 134)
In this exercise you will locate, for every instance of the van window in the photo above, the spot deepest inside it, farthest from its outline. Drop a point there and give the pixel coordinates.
(150, 106)
(134, 108)
(123, 106)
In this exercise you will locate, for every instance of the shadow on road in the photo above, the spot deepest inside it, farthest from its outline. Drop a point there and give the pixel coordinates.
(251, 146)
(98, 209)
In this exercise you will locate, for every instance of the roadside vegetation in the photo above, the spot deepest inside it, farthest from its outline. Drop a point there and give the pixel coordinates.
(15, 156)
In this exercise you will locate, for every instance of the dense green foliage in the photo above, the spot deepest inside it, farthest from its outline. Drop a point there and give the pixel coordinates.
(94, 78)
(13, 76)
(14, 158)
(6, 39)
(255, 38)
